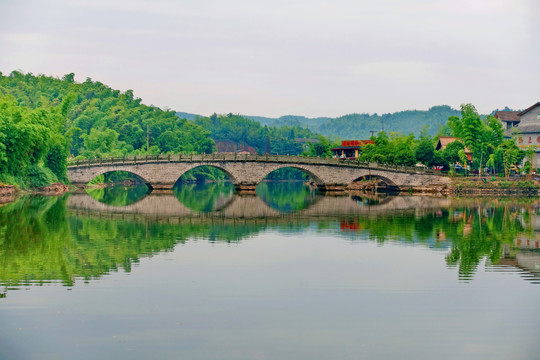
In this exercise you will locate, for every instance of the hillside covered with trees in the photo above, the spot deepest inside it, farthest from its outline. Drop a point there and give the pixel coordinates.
(33, 149)
(250, 133)
(46, 119)
(361, 126)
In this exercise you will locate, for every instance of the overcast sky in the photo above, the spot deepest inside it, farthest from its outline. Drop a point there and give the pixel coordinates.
(272, 58)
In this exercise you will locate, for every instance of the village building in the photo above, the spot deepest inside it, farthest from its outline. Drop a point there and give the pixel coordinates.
(509, 119)
(444, 141)
(350, 149)
(524, 128)
(306, 141)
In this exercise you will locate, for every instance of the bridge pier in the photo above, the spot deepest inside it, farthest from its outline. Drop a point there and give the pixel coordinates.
(331, 187)
(245, 187)
(160, 186)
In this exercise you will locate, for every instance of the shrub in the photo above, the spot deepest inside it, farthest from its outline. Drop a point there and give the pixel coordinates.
(40, 176)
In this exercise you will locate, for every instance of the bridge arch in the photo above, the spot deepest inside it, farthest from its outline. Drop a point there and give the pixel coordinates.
(231, 177)
(107, 171)
(246, 172)
(389, 183)
(309, 172)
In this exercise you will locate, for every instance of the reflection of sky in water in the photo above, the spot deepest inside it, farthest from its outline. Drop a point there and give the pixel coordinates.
(309, 295)
(447, 282)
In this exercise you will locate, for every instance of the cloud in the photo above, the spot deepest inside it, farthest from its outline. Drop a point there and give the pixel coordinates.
(272, 58)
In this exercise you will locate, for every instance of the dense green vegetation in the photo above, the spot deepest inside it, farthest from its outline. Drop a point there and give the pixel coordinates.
(483, 137)
(101, 121)
(245, 132)
(46, 119)
(33, 148)
(361, 126)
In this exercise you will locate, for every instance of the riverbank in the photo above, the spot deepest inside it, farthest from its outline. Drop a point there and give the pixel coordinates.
(8, 193)
(494, 186)
(488, 186)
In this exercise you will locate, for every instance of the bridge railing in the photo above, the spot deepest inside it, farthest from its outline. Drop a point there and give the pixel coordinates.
(142, 159)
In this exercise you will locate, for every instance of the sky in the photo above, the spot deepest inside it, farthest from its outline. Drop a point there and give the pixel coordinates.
(281, 57)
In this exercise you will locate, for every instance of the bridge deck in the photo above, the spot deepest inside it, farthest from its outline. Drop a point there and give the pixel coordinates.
(217, 157)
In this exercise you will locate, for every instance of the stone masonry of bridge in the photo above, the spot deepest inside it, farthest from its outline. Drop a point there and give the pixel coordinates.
(245, 172)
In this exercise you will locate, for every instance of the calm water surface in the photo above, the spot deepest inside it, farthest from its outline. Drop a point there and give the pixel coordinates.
(202, 273)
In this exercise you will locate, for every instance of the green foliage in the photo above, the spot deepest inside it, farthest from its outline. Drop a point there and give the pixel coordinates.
(425, 152)
(40, 176)
(451, 152)
(396, 149)
(321, 148)
(288, 174)
(243, 132)
(201, 174)
(56, 158)
(99, 121)
(359, 126)
(482, 137)
(30, 139)
(115, 178)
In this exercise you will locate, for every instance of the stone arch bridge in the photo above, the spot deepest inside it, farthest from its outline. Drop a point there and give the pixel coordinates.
(246, 171)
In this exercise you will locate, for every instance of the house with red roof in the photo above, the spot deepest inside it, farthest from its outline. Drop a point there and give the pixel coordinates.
(350, 149)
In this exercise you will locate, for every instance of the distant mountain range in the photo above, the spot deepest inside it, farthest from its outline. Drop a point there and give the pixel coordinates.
(361, 126)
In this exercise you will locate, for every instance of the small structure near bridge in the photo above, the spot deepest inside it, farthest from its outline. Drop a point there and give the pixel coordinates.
(350, 149)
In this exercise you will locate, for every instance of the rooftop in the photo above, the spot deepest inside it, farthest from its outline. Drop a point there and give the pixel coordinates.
(529, 109)
(507, 115)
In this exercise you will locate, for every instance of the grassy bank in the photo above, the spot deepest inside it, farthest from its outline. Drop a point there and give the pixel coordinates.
(495, 185)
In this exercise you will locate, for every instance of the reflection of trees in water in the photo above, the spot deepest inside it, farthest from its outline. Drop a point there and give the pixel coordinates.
(286, 196)
(474, 233)
(119, 195)
(40, 242)
(205, 197)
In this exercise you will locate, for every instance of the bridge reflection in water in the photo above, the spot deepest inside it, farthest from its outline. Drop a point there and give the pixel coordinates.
(448, 223)
(360, 259)
(48, 239)
(182, 204)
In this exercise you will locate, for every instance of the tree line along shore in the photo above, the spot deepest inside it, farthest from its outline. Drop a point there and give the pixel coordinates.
(45, 120)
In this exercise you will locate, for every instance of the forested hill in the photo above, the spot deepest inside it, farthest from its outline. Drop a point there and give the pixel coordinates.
(246, 134)
(360, 126)
(101, 121)
(292, 120)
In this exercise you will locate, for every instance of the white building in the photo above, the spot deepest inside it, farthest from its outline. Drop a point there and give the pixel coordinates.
(527, 128)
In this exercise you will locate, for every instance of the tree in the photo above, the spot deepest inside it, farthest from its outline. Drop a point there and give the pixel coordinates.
(425, 152)
(463, 159)
(507, 155)
(451, 152)
(482, 137)
(529, 155)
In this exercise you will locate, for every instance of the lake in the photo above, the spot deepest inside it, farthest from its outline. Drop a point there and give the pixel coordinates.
(285, 273)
